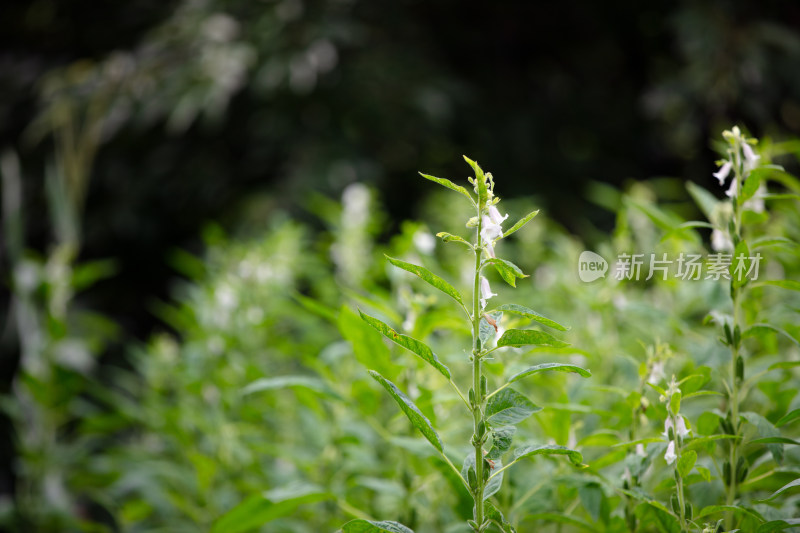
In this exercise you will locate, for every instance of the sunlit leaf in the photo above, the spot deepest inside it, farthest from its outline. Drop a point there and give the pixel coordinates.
(409, 343)
(523, 337)
(428, 277)
(507, 270)
(413, 413)
(521, 223)
(509, 407)
(531, 314)
(360, 525)
(260, 509)
(450, 185)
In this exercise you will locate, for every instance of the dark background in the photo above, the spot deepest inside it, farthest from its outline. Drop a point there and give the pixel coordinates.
(204, 106)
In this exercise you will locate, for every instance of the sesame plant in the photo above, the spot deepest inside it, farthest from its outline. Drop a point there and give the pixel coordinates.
(492, 414)
(751, 437)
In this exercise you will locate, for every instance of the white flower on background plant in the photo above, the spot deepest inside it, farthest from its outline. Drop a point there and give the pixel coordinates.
(751, 159)
(723, 172)
(486, 291)
(656, 372)
(670, 456)
(640, 450)
(720, 241)
(680, 430)
(733, 190)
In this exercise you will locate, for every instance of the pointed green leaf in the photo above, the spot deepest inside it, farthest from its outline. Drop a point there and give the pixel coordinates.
(368, 346)
(429, 277)
(740, 265)
(522, 337)
(765, 429)
(706, 201)
(450, 185)
(259, 509)
(686, 462)
(782, 283)
(409, 343)
(491, 513)
(775, 440)
(574, 456)
(307, 382)
(509, 407)
(520, 223)
(544, 367)
(778, 525)
(749, 187)
(413, 413)
(501, 441)
(480, 182)
(449, 237)
(795, 483)
(360, 525)
(763, 242)
(788, 417)
(531, 314)
(756, 328)
(507, 270)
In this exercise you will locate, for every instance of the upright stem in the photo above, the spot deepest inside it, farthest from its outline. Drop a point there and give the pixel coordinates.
(678, 477)
(477, 403)
(735, 291)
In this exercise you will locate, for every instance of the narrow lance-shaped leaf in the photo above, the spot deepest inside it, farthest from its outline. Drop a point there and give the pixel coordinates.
(449, 184)
(520, 223)
(265, 507)
(480, 183)
(413, 413)
(544, 367)
(507, 270)
(527, 312)
(686, 462)
(360, 525)
(765, 429)
(795, 483)
(449, 237)
(509, 407)
(491, 512)
(788, 417)
(279, 382)
(574, 456)
(409, 343)
(522, 337)
(429, 277)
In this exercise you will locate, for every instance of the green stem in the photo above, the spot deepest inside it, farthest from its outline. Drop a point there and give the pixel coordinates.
(678, 477)
(733, 456)
(477, 414)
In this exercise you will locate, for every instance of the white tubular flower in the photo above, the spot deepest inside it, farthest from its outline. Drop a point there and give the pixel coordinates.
(751, 159)
(723, 172)
(490, 249)
(733, 190)
(494, 214)
(680, 430)
(670, 456)
(486, 291)
(640, 450)
(490, 230)
(720, 241)
(656, 372)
